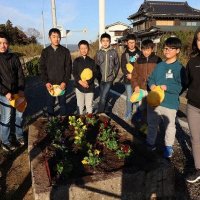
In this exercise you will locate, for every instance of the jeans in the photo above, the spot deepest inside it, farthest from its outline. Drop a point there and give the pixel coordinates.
(104, 91)
(129, 105)
(84, 99)
(51, 103)
(8, 114)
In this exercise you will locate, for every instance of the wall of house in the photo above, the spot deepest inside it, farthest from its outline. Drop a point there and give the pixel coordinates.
(116, 32)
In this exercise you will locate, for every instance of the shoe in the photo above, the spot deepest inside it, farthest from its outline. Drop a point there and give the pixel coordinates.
(193, 177)
(21, 141)
(8, 147)
(168, 151)
(150, 147)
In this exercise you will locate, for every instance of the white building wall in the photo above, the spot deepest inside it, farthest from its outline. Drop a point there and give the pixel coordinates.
(111, 30)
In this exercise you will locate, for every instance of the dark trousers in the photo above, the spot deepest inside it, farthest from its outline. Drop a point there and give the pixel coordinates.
(51, 104)
(104, 91)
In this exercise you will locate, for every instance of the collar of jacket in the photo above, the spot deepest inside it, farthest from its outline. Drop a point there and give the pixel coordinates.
(106, 49)
(151, 55)
(136, 50)
(6, 55)
(55, 48)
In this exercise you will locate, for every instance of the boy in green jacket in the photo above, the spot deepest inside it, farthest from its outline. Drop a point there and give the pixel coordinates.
(169, 75)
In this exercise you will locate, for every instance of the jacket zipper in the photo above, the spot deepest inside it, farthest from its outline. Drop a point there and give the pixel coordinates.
(106, 66)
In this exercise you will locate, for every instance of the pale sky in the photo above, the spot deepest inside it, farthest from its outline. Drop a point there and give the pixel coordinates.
(74, 15)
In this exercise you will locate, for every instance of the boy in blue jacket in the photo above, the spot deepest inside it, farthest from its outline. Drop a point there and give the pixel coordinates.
(169, 74)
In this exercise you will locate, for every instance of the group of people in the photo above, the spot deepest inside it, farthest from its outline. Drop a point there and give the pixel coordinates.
(148, 72)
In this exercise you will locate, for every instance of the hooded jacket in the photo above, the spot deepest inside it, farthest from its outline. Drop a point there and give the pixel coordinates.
(11, 74)
(79, 65)
(142, 70)
(55, 65)
(128, 57)
(107, 61)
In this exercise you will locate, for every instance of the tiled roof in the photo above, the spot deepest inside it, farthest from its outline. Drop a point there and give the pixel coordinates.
(117, 23)
(166, 9)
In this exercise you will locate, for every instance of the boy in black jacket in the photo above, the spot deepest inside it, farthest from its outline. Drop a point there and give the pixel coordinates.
(129, 57)
(84, 74)
(55, 65)
(11, 82)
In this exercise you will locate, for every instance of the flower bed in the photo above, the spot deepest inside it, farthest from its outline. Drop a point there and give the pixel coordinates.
(84, 145)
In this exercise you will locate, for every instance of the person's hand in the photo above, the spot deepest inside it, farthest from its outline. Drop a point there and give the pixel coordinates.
(137, 89)
(9, 96)
(152, 87)
(163, 87)
(21, 93)
(48, 86)
(128, 76)
(62, 86)
(83, 83)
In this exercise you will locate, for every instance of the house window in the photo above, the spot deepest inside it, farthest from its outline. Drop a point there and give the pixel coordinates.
(191, 23)
(164, 23)
(118, 33)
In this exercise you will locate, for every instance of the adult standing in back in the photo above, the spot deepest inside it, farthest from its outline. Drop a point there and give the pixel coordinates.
(193, 106)
(55, 65)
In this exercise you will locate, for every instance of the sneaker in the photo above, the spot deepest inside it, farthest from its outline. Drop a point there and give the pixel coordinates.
(168, 151)
(193, 177)
(8, 147)
(21, 141)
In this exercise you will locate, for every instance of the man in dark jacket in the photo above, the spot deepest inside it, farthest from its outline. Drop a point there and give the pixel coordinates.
(11, 82)
(55, 65)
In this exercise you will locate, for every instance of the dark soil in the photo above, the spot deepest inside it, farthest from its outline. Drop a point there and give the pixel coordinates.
(110, 161)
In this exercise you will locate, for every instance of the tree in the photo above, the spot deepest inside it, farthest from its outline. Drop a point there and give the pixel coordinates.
(32, 32)
(17, 35)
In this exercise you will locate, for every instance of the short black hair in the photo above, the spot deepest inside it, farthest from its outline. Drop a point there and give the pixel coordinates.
(105, 35)
(54, 30)
(84, 42)
(4, 35)
(131, 36)
(146, 44)
(173, 42)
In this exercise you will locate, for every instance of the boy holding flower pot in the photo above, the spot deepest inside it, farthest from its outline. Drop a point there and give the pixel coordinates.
(128, 59)
(84, 75)
(169, 76)
(143, 67)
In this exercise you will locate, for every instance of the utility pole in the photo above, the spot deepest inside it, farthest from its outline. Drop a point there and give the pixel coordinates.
(101, 18)
(43, 30)
(53, 12)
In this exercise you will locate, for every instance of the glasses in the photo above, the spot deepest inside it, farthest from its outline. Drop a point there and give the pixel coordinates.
(169, 48)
